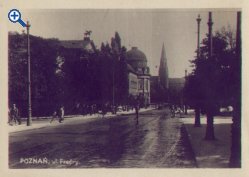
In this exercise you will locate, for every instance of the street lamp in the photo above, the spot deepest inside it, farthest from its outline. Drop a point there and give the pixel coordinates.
(198, 35)
(210, 95)
(197, 107)
(29, 120)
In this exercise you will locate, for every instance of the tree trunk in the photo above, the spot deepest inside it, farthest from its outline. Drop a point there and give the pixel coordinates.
(235, 158)
(185, 109)
(197, 117)
(210, 126)
(210, 92)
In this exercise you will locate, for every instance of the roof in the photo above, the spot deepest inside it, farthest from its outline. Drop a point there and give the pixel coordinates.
(130, 69)
(154, 79)
(72, 44)
(176, 83)
(135, 54)
(86, 44)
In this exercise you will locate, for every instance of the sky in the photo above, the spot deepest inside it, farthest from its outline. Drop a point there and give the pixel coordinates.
(146, 29)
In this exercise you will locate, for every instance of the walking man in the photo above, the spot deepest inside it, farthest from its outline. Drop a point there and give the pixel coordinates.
(137, 109)
(61, 114)
(14, 115)
(172, 110)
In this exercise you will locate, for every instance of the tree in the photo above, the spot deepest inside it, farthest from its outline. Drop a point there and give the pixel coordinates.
(210, 76)
(43, 65)
(66, 76)
(194, 95)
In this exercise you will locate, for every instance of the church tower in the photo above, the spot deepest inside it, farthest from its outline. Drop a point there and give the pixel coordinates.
(163, 71)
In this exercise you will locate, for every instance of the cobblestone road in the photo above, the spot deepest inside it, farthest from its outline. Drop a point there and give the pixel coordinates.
(158, 141)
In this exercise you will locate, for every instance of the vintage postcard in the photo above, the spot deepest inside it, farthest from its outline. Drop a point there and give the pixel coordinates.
(136, 89)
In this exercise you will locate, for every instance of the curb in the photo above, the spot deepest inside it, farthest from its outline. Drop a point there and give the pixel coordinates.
(185, 136)
(68, 117)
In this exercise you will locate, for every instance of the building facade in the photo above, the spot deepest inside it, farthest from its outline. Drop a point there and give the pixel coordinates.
(139, 74)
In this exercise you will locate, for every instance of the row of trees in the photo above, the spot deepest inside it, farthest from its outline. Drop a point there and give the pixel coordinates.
(219, 71)
(216, 82)
(71, 77)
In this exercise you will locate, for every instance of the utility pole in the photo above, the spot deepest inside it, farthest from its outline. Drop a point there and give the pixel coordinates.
(29, 120)
(235, 158)
(210, 35)
(210, 92)
(197, 106)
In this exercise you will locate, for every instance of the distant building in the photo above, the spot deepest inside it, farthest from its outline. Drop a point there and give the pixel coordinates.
(163, 88)
(163, 71)
(138, 74)
(176, 86)
(86, 44)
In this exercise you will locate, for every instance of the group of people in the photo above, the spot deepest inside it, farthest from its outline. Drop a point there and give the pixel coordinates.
(174, 110)
(58, 114)
(14, 116)
(15, 119)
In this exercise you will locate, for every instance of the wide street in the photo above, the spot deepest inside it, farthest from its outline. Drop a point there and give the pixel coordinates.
(116, 142)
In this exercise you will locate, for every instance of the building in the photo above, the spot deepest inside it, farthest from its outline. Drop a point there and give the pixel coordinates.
(176, 86)
(163, 70)
(138, 74)
(164, 88)
(86, 44)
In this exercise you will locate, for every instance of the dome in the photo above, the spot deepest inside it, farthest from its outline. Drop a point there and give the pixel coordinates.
(135, 55)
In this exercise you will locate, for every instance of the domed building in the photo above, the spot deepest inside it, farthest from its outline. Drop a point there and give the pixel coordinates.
(139, 74)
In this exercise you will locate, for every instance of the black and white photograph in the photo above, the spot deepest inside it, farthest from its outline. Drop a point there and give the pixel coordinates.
(131, 88)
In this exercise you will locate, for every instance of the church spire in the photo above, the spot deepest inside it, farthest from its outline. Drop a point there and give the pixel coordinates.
(163, 70)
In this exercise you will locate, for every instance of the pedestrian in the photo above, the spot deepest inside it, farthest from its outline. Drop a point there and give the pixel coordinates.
(54, 116)
(179, 111)
(14, 115)
(137, 111)
(104, 109)
(61, 113)
(9, 116)
(173, 110)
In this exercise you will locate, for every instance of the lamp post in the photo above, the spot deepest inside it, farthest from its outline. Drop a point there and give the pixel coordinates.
(198, 35)
(210, 35)
(209, 93)
(29, 120)
(197, 107)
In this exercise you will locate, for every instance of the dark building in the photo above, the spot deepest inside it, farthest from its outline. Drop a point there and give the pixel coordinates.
(163, 71)
(138, 71)
(163, 88)
(86, 44)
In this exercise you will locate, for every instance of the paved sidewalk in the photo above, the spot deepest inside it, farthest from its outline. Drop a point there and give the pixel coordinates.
(210, 154)
(45, 121)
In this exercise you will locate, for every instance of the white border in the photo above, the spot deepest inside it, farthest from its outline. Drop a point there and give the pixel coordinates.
(120, 4)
